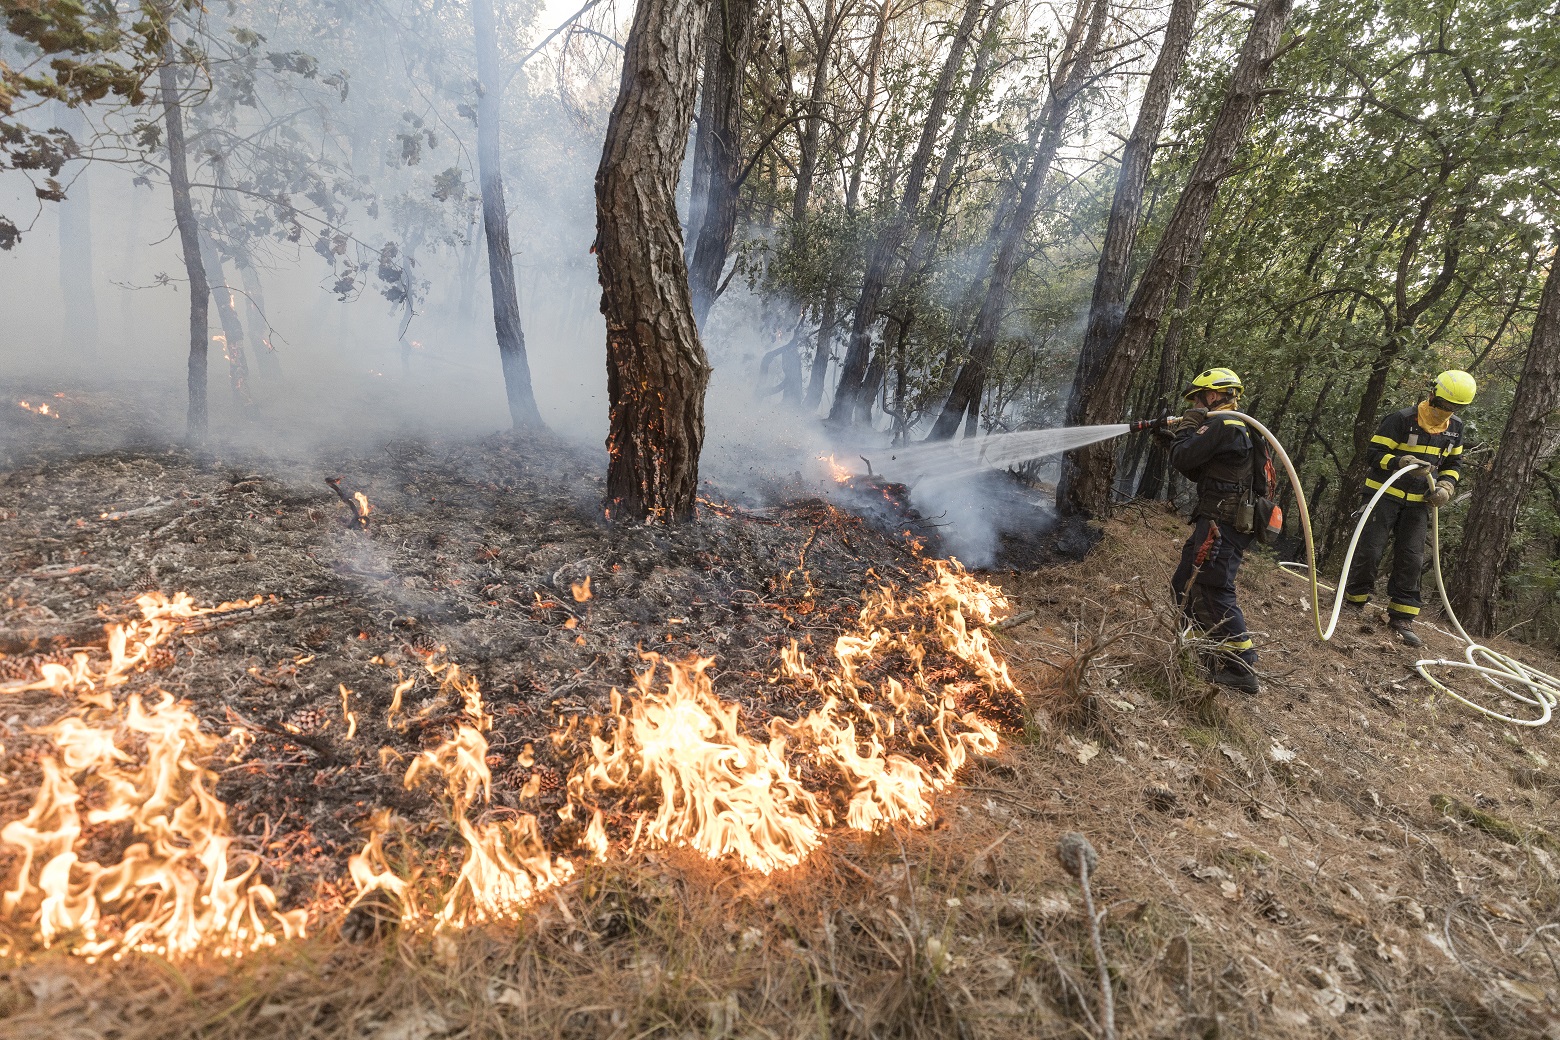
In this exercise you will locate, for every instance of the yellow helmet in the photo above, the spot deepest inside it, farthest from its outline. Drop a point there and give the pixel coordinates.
(1455, 387)
(1221, 379)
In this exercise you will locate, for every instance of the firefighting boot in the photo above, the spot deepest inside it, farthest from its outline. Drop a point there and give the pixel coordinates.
(1237, 677)
(1403, 628)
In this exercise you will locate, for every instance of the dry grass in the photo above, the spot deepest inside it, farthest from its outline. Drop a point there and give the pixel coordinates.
(1278, 866)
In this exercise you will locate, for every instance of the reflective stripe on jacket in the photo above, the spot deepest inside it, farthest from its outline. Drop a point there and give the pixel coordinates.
(1401, 434)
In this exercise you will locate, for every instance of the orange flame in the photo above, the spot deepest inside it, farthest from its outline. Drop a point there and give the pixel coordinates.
(840, 474)
(506, 864)
(171, 893)
(581, 590)
(40, 409)
(363, 508)
(716, 787)
(130, 648)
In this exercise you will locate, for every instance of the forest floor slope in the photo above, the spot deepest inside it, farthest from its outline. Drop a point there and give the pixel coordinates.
(1344, 855)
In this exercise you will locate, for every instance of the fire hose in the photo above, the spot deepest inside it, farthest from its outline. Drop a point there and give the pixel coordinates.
(1497, 669)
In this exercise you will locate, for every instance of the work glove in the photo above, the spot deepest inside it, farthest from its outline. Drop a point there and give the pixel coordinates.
(1405, 461)
(1444, 489)
(1194, 417)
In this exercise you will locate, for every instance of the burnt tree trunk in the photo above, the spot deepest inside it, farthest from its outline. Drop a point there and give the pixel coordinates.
(852, 393)
(196, 421)
(232, 329)
(1112, 283)
(495, 222)
(1503, 488)
(656, 368)
(1074, 72)
(718, 149)
(1085, 489)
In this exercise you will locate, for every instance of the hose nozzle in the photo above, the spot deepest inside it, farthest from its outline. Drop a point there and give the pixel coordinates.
(1147, 425)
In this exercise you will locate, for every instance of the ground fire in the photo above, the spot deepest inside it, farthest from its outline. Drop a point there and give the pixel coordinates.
(128, 846)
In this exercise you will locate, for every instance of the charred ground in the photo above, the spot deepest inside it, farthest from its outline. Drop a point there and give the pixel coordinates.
(1345, 855)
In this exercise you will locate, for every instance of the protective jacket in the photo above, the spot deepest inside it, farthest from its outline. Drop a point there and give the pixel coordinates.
(1217, 457)
(1401, 434)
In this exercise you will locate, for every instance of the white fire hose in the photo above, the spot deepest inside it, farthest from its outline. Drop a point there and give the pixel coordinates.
(1542, 689)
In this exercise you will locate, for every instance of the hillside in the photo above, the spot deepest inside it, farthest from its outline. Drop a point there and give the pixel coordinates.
(1345, 855)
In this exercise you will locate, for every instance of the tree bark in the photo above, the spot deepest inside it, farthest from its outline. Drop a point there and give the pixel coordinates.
(1073, 74)
(1503, 489)
(196, 420)
(1113, 281)
(656, 367)
(232, 329)
(851, 392)
(259, 330)
(718, 149)
(1085, 491)
(1157, 478)
(495, 220)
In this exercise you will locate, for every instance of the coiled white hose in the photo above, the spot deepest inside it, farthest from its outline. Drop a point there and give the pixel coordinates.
(1497, 668)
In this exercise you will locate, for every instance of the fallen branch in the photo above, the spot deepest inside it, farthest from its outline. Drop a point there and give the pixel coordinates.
(1079, 859)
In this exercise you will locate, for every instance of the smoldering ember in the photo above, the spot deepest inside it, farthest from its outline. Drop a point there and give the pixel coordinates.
(796, 518)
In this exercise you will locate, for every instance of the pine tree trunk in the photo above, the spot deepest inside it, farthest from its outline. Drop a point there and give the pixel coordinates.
(1503, 489)
(495, 221)
(852, 392)
(1073, 74)
(1157, 479)
(828, 323)
(196, 421)
(656, 367)
(1085, 490)
(718, 150)
(1112, 282)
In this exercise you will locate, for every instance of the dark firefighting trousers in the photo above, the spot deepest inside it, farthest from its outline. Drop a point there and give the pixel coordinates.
(1406, 524)
(1204, 586)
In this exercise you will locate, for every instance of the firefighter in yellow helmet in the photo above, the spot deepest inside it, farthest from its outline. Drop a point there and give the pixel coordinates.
(1429, 432)
(1215, 451)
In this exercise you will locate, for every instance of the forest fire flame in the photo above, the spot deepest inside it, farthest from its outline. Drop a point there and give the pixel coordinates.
(672, 763)
(840, 474)
(135, 763)
(506, 864)
(725, 793)
(40, 409)
(714, 783)
(171, 893)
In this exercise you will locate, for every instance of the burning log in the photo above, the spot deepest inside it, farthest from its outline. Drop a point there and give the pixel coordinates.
(356, 501)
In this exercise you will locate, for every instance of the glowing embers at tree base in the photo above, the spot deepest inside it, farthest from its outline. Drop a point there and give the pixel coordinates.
(173, 891)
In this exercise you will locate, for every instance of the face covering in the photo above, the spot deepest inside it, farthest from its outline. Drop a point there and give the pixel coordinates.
(1432, 419)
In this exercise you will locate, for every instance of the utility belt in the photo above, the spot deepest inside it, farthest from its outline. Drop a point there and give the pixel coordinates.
(1243, 510)
(1222, 502)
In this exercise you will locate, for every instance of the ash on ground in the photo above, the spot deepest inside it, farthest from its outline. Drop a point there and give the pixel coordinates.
(475, 552)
